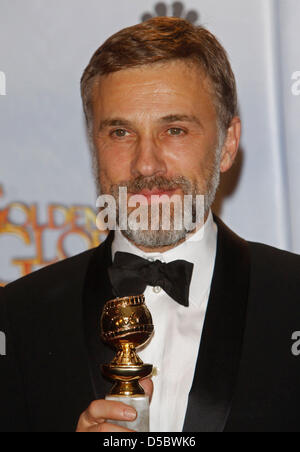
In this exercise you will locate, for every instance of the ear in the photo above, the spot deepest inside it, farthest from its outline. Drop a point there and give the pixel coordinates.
(231, 144)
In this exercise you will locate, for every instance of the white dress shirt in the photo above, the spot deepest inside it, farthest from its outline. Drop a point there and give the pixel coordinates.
(174, 347)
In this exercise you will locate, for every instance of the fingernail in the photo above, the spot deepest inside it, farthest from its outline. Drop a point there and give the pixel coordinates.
(129, 413)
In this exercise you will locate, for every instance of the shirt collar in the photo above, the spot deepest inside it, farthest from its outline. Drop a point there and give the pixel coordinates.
(199, 249)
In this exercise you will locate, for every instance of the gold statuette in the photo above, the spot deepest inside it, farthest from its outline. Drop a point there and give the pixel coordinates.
(126, 324)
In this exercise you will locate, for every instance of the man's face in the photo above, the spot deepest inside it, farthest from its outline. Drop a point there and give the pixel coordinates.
(155, 132)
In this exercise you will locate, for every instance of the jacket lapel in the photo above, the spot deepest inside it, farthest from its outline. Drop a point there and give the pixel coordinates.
(221, 344)
(97, 291)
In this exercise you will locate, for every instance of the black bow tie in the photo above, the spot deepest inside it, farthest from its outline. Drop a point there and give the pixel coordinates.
(130, 274)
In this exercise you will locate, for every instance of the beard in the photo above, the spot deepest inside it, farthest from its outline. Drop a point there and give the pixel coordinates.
(160, 237)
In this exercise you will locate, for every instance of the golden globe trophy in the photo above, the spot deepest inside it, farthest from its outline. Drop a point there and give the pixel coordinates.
(126, 324)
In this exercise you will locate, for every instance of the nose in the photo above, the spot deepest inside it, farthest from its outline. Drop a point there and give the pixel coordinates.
(148, 159)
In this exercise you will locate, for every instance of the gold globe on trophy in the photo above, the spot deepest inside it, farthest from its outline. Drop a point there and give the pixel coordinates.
(126, 324)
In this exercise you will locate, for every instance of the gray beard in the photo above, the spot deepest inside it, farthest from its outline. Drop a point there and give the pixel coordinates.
(160, 238)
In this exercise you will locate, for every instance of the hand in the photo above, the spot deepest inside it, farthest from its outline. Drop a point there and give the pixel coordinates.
(94, 419)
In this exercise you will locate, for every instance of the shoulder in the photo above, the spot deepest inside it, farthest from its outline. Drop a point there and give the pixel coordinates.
(53, 273)
(274, 263)
(274, 290)
(50, 283)
(265, 259)
(274, 273)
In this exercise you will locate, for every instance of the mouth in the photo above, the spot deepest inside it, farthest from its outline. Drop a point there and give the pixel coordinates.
(157, 192)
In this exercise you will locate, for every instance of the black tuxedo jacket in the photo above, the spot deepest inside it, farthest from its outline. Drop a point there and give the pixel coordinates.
(246, 378)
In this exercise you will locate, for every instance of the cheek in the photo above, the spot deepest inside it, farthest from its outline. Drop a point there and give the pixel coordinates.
(207, 165)
(114, 166)
(193, 160)
(201, 169)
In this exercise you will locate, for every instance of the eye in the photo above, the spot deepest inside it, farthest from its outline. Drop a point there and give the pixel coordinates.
(175, 131)
(119, 133)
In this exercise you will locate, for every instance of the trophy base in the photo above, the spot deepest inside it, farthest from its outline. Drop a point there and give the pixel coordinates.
(126, 378)
(141, 405)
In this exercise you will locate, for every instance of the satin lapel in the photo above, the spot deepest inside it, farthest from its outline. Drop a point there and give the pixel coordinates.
(221, 344)
(97, 291)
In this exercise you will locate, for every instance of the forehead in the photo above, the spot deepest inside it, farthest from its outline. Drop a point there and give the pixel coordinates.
(154, 87)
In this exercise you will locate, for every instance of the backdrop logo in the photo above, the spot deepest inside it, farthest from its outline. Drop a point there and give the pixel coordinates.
(296, 84)
(63, 225)
(176, 9)
(2, 84)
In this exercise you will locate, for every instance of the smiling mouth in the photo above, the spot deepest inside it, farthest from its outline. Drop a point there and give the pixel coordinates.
(154, 192)
(154, 196)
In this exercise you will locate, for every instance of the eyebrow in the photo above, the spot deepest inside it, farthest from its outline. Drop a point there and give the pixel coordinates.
(178, 117)
(112, 122)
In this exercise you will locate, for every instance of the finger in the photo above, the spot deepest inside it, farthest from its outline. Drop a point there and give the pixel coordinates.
(147, 385)
(100, 410)
(107, 427)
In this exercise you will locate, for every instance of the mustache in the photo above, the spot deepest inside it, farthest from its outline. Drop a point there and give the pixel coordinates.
(158, 182)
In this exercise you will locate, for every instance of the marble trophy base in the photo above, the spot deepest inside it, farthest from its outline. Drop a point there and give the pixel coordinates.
(141, 405)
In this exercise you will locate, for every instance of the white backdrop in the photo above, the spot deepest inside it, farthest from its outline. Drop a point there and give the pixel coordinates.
(45, 45)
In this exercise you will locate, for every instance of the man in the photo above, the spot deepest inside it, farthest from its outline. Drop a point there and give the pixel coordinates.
(161, 109)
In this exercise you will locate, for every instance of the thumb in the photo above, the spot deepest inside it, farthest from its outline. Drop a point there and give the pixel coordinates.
(147, 385)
